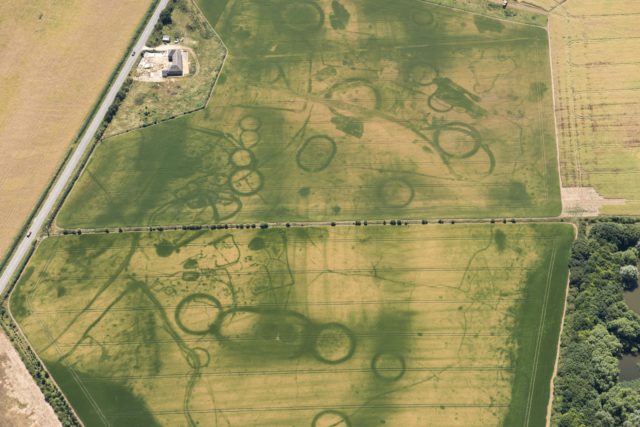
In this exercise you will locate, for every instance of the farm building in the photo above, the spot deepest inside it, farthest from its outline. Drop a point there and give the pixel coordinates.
(175, 67)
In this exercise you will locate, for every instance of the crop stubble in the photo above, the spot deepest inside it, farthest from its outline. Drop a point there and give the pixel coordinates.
(56, 59)
(595, 71)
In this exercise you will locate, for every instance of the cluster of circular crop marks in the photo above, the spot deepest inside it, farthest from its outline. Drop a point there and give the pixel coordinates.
(246, 179)
(278, 332)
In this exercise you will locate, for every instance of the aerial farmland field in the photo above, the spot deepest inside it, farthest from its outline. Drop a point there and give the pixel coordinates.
(336, 110)
(349, 326)
(596, 72)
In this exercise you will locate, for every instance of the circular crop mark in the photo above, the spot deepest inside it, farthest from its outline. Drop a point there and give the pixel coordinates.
(197, 313)
(422, 74)
(316, 153)
(481, 164)
(197, 201)
(457, 140)
(249, 138)
(302, 16)
(203, 356)
(330, 418)
(388, 366)
(423, 17)
(396, 193)
(266, 72)
(242, 158)
(334, 343)
(249, 123)
(357, 92)
(225, 205)
(246, 181)
(439, 105)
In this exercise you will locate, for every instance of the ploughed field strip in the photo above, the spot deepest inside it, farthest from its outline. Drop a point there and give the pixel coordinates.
(339, 110)
(346, 326)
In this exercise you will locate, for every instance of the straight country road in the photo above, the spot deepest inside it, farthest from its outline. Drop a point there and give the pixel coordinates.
(67, 174)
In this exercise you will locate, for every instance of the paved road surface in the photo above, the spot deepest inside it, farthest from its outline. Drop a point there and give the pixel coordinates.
(85, 143)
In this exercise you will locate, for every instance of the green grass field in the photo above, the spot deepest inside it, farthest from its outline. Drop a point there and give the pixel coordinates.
(337, 110)
(451, 325)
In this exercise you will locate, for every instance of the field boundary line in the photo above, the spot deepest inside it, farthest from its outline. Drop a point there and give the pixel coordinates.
(482, 14)
(540, 334)
(314, 224)
(555, 117)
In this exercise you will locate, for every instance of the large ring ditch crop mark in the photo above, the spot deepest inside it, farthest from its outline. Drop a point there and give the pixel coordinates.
(183, 305)
(249, 122)
(242, 158)
(347, 91)
(463, 129)
(331, 418)
(249, 138)
(302, 16)
(388, 366)
(423, 17)
(316, 153)
(396, 193)
(445, 108)
(422, 73)
(333, 343)
(246, 181)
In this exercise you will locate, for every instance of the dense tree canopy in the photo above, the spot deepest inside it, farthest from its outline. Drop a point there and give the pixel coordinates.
(599, 328)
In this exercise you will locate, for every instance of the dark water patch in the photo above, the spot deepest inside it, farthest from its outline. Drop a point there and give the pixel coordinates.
(629, 367)
(632, 298)
(629, 363)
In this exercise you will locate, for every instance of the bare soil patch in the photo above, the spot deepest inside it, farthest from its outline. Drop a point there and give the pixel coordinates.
(21, 402)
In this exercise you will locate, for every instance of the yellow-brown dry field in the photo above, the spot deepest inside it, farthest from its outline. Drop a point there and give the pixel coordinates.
(595, 71)
(56, 59)
(452, 326)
